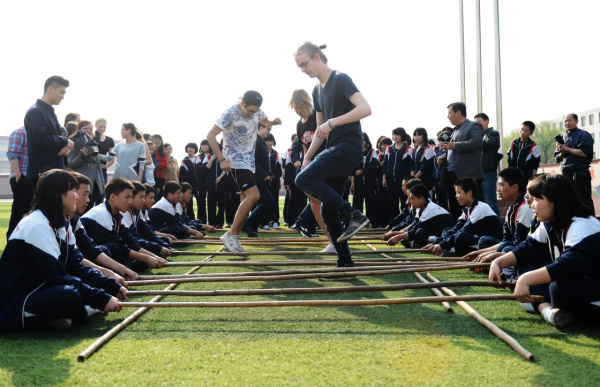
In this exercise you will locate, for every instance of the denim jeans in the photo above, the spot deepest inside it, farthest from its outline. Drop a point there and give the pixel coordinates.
(325, 178)
(488, 190)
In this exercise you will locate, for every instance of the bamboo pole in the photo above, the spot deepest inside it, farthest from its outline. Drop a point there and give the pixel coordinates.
(514, 344)
(286, 272)
(298, 252)
(311, 262)
(380, 301)
(342, 272)
(321, 290)
(272, 242)
(123, 324)
(365, 266)
(437, 292)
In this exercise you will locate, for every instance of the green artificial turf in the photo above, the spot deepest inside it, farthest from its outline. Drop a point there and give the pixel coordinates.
(406, 345)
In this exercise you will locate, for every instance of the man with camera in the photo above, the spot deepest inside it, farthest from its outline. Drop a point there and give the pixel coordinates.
(574, 152)
(85, 159)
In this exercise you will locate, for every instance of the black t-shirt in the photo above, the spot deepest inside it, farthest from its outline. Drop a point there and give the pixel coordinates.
(333, 100)
(104, 146)
(306, 132)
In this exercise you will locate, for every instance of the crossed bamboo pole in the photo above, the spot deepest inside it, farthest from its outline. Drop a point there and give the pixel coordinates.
(123, 324)
(514, 344)
(379, 301)
(297, 252)
(315, 262)
(339, 273)
(320, 290)
(418, 275)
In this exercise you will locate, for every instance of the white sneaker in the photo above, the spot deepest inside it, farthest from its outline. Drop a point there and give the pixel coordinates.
(276, 226)
(232, 243)
(557, 317)
(266, 227)
(91, 311)
(329, 249)
(528, 306)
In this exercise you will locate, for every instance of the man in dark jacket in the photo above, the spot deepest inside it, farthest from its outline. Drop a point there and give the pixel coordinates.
(489, 162)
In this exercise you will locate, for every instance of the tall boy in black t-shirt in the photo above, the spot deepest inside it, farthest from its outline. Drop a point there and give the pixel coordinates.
(339, 107)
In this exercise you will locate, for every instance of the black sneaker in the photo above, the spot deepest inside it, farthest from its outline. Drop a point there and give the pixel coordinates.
(345, 264)
(357, 221)
(306, 233)
(250, 231)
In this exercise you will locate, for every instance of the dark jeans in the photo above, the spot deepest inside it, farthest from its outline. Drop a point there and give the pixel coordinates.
(583, 183)
(325, 179)
(264, 204)
(488, 190)
(22, 197)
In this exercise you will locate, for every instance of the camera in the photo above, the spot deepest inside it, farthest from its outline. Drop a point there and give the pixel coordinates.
(91, 145)
(445, 137)
(559, 139)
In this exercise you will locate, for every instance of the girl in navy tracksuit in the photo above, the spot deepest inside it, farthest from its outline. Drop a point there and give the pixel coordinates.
(382, 198)
(364, 182)
(275, 183)
(570, 234)
(215, 189)
(396, 165)
(423, 158)
(41, 274)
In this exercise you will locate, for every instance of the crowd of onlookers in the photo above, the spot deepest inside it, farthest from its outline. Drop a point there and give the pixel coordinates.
(441, 197)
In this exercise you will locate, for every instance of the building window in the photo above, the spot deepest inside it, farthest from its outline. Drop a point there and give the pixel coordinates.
(583, 121)
(591, 119)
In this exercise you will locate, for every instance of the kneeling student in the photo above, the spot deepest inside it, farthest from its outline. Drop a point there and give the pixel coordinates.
(103, 225)
(40, 280)
(517, 223)
(569, 231)
(431, 219)
(477, 220)
(164, 218)
(138, 227)
(182, 210)
(95, 256)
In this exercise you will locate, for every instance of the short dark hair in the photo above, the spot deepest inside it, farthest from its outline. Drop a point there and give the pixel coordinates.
(81, 179)
(54, 81)
(420, 191)
(421, 132)
(513, 176)
(408, 178)
(192, 145)
(468, 184)
(137, 188)
(71, 128)
(171, 187)
(458, 107)
(412, 182)
(483, 116)
(575, 116)
(294, 137)
(399, 131)
(270, 137)
(558, 190)
(48, 197)
(530, 125)
(149, 188)
(116, 186)
(71, 117)
(185, 186)
(386, 141)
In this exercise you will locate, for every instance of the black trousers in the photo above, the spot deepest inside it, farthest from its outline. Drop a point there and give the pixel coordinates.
(22, 196)
(583, 183)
